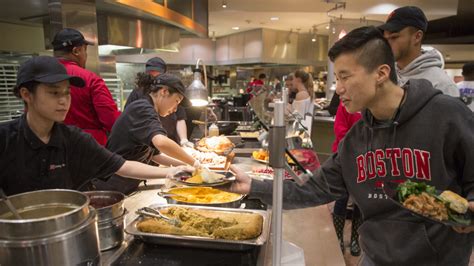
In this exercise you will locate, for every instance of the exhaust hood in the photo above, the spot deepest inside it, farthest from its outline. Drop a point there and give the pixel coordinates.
(136, 33)
(455, 29)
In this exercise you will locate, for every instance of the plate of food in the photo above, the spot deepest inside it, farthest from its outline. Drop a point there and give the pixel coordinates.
(218, 144)
(425, 201)
(263, 156)
(204, 177)
(266, 173)
(210, 160)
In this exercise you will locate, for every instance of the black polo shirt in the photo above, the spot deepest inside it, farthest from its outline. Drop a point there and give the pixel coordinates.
(68, 161)
(169, 123)
(136, 94)
(131, 137)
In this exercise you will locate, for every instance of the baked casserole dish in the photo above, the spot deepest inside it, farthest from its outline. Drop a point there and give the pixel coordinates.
(205, 223)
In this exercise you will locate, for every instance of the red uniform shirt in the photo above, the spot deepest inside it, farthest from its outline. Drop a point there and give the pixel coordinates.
(342, 124)
(92, 107)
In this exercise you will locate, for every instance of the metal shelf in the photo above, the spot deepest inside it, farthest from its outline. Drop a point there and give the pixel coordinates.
(10, 106)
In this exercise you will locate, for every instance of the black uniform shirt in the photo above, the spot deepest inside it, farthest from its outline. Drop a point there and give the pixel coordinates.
(132, 133)
(131, 137)
(69, 160)
(169, 123)
(136, 94)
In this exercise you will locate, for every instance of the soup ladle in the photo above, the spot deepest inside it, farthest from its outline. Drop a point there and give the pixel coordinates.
(9, 205)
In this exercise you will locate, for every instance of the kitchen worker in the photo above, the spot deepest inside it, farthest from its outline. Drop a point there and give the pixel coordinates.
(412, 132)
(38, 151)
(138, 133)
(174, 124)
(92, 108)
(404, 29)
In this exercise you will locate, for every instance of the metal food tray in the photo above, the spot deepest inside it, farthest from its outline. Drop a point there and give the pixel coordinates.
(198, 241)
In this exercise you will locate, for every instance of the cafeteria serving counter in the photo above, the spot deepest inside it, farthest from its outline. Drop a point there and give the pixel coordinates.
(311, 229)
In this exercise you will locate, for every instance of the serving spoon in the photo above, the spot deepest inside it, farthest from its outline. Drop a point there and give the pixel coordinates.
(157, 214)
(10, 205)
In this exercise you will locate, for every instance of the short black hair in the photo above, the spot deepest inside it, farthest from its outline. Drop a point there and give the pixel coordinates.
(468, 70)
(262, 76)
(31, 86)
(370, 48)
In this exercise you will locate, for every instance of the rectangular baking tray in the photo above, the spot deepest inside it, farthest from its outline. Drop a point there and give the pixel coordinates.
(198, 241)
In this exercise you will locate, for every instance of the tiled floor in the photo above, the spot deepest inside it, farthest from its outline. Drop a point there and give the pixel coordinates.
(312, 230)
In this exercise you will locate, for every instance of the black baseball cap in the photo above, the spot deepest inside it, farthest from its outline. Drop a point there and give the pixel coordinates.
(67, 38)
(155, 63)
(44, 69)
(403, 17)
(172, 81)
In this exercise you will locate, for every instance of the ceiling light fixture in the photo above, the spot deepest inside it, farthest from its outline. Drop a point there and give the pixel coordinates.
(274, 18)
(224, 4)
(342, 34)
(235, 28)
(315, 36)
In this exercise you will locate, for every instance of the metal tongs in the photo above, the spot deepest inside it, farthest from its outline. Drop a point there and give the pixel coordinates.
(146, 211)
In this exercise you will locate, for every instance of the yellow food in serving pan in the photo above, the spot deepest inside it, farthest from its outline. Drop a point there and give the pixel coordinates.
(203, 195)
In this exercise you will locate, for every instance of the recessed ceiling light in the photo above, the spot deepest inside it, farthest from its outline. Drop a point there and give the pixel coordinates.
(313, 39)
(235, 28)
(224, 4)
(274, 18)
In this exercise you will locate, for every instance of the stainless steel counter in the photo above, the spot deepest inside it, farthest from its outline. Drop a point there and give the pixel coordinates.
(311, 228)
(328, 119)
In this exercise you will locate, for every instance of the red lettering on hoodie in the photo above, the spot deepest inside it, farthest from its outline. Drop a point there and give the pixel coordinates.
(423, 170)
(379, 163)
(370, 164)
(393, 154)
(373, 164)
(407, 162)
(360, 169)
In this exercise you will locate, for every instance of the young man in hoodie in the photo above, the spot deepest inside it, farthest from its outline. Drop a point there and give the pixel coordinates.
(404, 30)
(413, 133)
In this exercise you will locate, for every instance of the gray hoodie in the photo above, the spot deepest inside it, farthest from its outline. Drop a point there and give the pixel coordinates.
(428, 66)
(431, 141)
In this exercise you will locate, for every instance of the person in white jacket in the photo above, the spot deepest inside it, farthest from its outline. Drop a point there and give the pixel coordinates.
(404, 30)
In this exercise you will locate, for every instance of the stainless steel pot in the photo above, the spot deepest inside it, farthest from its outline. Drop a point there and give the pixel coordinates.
(109, 204)
(111, 216)
(44, 213)
(111, 232)
(59, 229)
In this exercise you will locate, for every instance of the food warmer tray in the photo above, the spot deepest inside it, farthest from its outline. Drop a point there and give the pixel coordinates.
(198, 241)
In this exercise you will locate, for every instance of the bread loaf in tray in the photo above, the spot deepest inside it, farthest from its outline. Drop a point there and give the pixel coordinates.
(205, 223)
